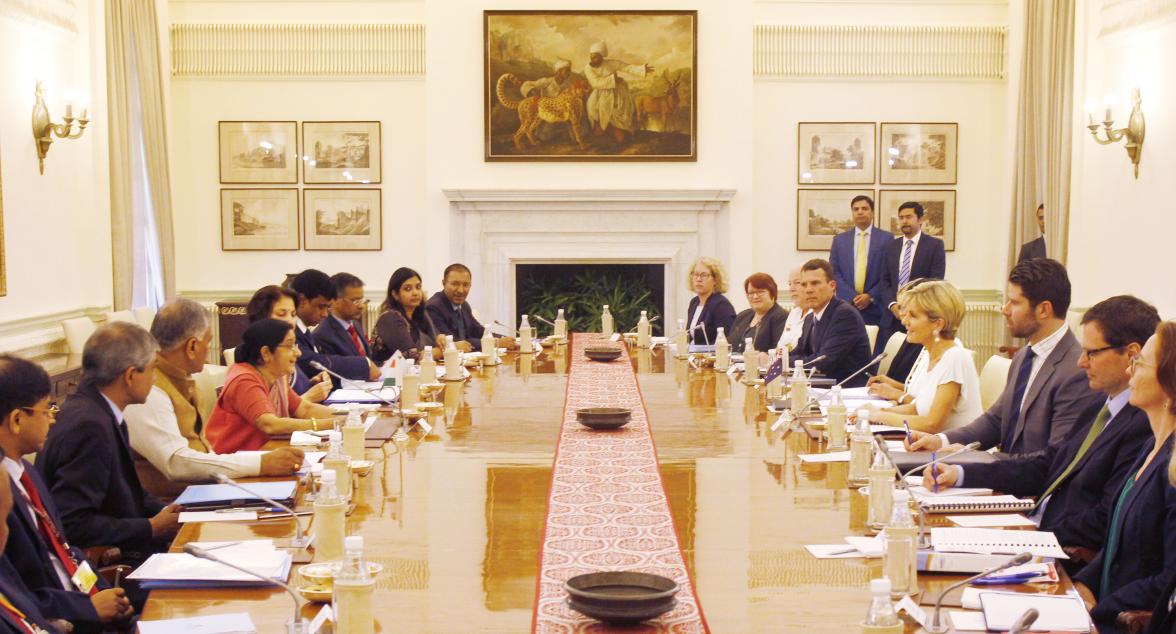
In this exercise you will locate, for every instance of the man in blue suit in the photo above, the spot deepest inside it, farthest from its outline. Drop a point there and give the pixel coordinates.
(833, 338)
(315, 293)
(341, 333)
(19, 613)
(37, 547)
(857, 256)
(911, 256)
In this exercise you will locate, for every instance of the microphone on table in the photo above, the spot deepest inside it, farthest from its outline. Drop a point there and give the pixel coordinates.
(822, 358)
(651, 320)
(300, 540)
(702, 327)
(540, 318)
(371, 391)
(294, 626)
(508, 329)
(1022, 624)
(937, 626)
(817, 399)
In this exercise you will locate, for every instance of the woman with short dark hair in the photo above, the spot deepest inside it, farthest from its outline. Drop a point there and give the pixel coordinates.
(279, 303)
(257, 400)
(764, 322)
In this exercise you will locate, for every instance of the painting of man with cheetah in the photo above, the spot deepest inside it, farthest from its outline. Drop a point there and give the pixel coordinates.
(590, 85)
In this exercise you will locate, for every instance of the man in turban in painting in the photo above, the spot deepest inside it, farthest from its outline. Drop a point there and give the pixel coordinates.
(549, 86)
(611, 103)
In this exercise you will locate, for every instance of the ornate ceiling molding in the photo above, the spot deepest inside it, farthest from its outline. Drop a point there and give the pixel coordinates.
(1123, 15)
(61, 14)
(298, 51)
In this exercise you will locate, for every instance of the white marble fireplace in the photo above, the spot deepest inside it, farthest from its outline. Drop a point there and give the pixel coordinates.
(493, 230)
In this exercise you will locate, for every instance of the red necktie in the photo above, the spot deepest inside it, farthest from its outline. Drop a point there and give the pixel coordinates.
(355, 339)
(49, 530)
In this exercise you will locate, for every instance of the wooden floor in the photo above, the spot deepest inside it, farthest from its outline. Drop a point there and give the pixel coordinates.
(456, 517)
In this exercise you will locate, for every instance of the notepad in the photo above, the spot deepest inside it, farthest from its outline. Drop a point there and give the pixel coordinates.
(923, 492)
(990, 521)
(995, 541)
(976, 504)
(184, 570)
(236, 623)
(347, 395)
(211, 496)
(1055, 613)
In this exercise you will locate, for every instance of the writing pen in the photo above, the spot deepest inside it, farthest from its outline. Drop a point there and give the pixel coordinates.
(934, 472)
(906, 425)
(843, 551)
(1008, 580)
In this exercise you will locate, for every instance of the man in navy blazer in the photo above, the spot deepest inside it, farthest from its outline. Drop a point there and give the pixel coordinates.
(315, 294)
(1035, 248)
(452, 315)
(834, 332)
(860, 283)
(911, 256)
(341, 333)
(12, 588)
(35, 537)
(1073, 477)
(87, 460)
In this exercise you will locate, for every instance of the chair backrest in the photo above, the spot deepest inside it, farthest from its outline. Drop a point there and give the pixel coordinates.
(993, 378)
(144, 316)
(77, 331)
(872, 333)
(121, 315)
(891, 349)
(208, 381)
(230, 356)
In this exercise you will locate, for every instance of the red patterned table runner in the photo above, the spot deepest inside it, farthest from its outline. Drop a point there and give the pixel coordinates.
(607, 508)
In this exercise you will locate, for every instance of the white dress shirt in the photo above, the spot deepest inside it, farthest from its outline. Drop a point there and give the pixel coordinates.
(16, 469)
(793, 327)
(155, 435)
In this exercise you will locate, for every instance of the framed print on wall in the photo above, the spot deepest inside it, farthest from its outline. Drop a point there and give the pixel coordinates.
(342, 219)
(341, 152)
(835, 153)
(258, 152)
(939, 212)
(259, 219)
(919, 153)
(822, 214)
(590, 85)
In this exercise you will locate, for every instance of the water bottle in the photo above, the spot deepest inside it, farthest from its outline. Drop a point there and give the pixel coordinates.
(330, 520)
(881, 614)
(881, 492)
(799, 389)
(340, 463)
(353, 591)
(644, 332)
(750, 361)
(835, 427)
(525, 336)
(452, 361)
(561, 324)
(489, 348)
(410, 393)
(902, 557)
(681, 342)
(722, 351)
(606, 322)
(428, 366)
(861, 445)
(353, 444)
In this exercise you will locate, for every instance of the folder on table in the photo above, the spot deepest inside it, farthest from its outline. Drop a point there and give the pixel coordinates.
(206, 497)
(1055, 613)
(975, 504)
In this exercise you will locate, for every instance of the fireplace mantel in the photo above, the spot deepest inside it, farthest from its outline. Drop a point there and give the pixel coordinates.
(494, 229)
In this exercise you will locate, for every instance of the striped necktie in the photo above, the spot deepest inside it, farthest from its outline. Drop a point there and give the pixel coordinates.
(1100, 423)
(904, 269)
(859, 268)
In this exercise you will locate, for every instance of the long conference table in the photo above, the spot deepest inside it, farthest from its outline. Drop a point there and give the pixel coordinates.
(457, 517)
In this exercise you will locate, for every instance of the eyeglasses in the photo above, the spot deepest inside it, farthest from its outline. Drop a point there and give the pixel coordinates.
(1138, 361)
(361, 302)
(757, 293)
(701, 276)
(50, 411)
(1090, 354)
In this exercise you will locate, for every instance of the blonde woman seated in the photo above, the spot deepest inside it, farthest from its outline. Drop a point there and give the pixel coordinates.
(946, 394)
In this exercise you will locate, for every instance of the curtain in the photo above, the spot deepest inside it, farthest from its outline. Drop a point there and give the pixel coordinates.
(140, 189)
(1041, 160)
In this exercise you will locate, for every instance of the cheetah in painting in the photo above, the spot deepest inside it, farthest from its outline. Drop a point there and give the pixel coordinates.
(566, 106)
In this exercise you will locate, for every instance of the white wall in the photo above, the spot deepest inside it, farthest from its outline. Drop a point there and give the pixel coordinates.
(982, 109)
(1120, 226)
(56, 225)
(198, 104)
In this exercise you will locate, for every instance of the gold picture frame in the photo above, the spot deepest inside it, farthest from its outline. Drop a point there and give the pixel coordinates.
(918, 154)
(835, 153)
(939, 212)
(821, 214)
(342, 219)
(259, 219)
(258, 152)
(343, 152)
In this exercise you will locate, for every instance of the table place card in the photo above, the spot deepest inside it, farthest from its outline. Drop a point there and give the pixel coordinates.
(832, 456)
(425, 426)
(320, 619)
(217, 516)
(908, 605)
(963, 621)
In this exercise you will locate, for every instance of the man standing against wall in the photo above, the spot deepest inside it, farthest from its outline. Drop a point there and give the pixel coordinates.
(857, 257)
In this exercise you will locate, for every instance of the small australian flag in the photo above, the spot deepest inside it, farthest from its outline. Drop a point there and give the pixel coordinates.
(776, 369)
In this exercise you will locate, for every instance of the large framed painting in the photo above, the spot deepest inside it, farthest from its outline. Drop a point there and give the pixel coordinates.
(258, 152)
(259, 219)
(939, 212)
(342, 219)
(590, 85)
(341, 152)
(822, 214)
(835, 153)
(919, 153)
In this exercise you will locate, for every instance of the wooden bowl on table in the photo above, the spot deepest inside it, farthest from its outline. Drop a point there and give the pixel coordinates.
(621, 597)
(603, 417)
(603, 353)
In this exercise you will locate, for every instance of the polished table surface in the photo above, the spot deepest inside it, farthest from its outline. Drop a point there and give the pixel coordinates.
(456, 517)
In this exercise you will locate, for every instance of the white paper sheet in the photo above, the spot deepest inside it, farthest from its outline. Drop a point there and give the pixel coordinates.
(963, 621)
(832, 456)
(833, 551)
(1055, 613)
(216, 516)
(235, 623)
(990, 521)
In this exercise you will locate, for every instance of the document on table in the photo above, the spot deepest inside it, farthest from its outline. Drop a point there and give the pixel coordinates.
(832, 456)
(235, 623)
(921, 491)
(309, 458)
(996, 541)
(990, 521)
(307, 438)
(854, 547)
(1055, 613)
(962, 621)
(217, 516)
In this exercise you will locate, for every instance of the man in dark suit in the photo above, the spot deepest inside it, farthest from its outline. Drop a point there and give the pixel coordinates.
(19, 613)
(1046, 392)
(911, 256)
(87, 459)
(62, 581)
(857, 258)
(1072, 477)
(1035, 248)
(315, 294)
(834, 330)
(341, 333)
(452, 315)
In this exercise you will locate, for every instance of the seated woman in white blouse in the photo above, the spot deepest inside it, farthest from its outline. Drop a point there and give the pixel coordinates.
(946, 393)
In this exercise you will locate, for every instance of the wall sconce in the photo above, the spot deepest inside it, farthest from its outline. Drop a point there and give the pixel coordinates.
(1134, 132)
(44, 129)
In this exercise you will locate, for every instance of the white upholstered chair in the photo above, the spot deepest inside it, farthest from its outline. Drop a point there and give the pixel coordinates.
(121, 315)
(891, 349)
(993, 377)
(208, 381)
(230, 356)
(144, 316)
(77, 331)
(872, 333)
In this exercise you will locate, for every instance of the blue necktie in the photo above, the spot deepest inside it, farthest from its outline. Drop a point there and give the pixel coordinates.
(904, 270)
(1019, 388)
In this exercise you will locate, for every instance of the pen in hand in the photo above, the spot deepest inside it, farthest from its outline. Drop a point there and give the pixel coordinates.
(907, 426)
(934, 472)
